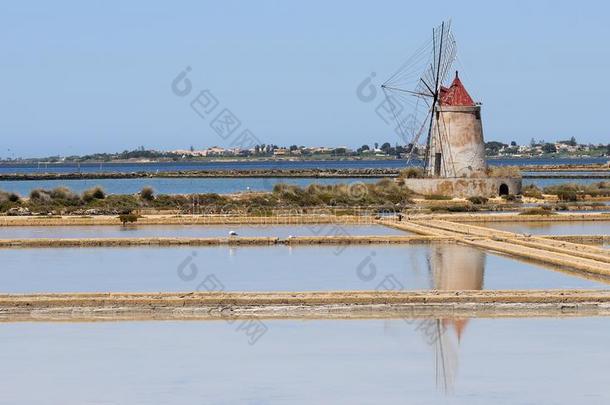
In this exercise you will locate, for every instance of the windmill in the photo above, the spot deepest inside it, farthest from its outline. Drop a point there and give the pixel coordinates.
(435, 103)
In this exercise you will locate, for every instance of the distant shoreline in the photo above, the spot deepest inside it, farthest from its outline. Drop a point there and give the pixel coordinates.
(232, 159)
(597, 171)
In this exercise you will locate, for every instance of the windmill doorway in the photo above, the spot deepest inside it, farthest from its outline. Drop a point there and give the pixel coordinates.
(503, 189)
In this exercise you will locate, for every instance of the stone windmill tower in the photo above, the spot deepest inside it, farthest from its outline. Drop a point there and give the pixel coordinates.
(454, 160)
(456, 146)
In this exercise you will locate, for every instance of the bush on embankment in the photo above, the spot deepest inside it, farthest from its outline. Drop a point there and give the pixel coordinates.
(62, 200)
(532, 191)
(537, 211)
(384, 194)
(575, 191)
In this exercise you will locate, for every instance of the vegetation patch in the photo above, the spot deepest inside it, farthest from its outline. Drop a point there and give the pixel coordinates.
(575, 191)
(504, 171)
(478, 200)
(412, 173)
(129, 218)
(437, 197)
(386, 194)
(537, 211)
(532, 191)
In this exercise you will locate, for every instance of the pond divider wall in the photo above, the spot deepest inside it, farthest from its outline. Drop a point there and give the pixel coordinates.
(333, 304)
(229, 241)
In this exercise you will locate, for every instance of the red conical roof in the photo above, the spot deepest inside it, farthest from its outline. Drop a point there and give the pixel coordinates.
(456, 94)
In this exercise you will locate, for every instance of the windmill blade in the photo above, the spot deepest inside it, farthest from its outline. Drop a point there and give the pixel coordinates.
(417, 84)
(444, 51)
(411, 115)
(409, 73)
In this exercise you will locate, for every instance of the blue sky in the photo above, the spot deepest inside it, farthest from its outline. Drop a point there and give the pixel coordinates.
(79, 77)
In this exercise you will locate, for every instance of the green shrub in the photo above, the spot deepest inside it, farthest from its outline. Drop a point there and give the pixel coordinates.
(40, 195)
(437, 197)
(504, 171)
(95, 193)
(61, 193)
(537, 211)
(567, 195)
(9, 197)
(115, 204)
(64, 196)
(453, 208)
(384, 192)
(510, 197)
(462, 208)
(561, 207)
(478, 200)
(8, 201)
(566, 191)
(412, 173)
(147, 194)
(128, 218)
(532, 191)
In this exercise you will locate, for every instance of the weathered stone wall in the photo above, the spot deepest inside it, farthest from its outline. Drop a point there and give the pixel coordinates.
(464, 187)
(458, 135)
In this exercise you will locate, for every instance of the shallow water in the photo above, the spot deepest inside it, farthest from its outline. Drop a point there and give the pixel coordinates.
(500, 361)
(568, 173)
(552, 182)
(208, 185)
(553, 228)
(272, 268)
(260, 165)
(172, 186)
(195, 231)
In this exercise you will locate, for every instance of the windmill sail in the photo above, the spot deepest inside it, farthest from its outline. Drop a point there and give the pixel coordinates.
(419, 83)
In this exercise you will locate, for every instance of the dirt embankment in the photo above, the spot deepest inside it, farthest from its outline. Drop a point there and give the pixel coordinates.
(267, 173)
(575, 167)
(287, 219)
(344, 304)
(185, 220)
(230, 241)
(277, 173)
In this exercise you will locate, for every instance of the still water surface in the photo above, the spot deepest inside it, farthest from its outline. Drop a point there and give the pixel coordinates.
(276, 268)
(171, 186)
(553, 228)
(499, 361)
(194, 231)
(260, 165)
(227, 185)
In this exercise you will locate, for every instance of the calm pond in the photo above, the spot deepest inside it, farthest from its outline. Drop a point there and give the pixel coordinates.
(270, 164)
(227, 185)
(553, 228)
(194, 231)
(272, 268)
(457, 361)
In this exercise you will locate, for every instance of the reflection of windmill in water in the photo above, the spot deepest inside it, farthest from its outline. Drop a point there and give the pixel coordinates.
(449, 268)
(446, 120)
(453, 267)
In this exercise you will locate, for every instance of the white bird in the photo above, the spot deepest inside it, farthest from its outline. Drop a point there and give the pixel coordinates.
(232, 233)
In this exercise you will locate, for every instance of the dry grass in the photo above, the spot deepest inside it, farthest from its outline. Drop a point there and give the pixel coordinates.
(537, 211)
(412, 173)
(504, 171)
(532, 191)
